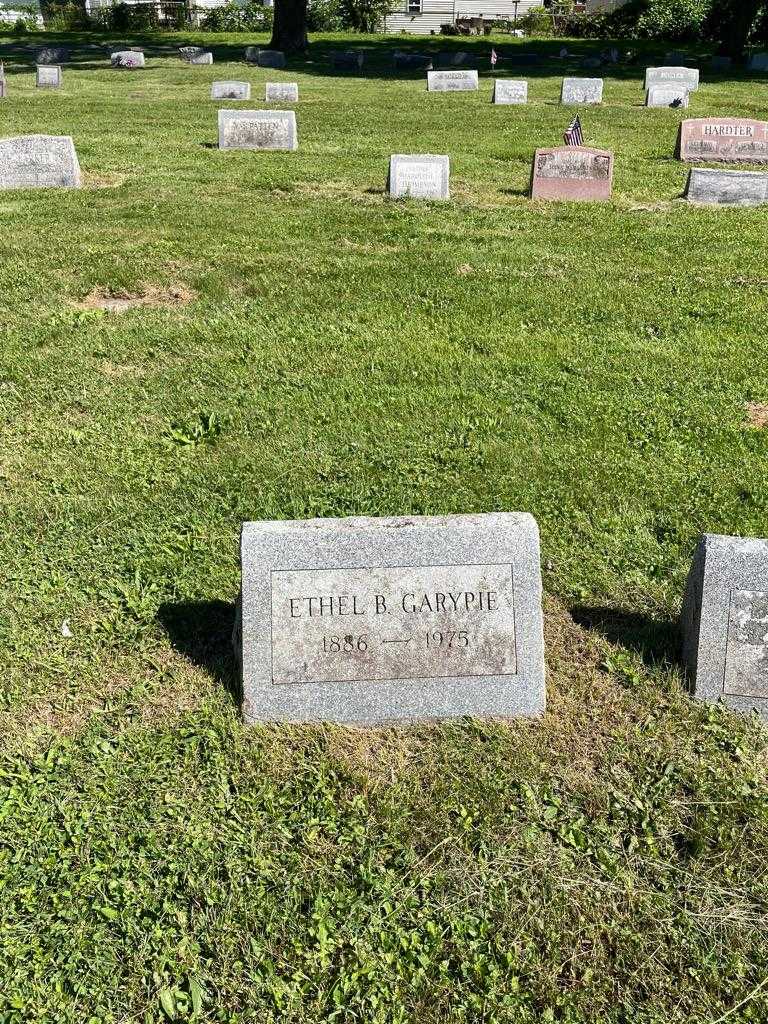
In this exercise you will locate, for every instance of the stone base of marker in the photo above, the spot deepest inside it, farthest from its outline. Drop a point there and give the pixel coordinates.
(725, 622)
(727, 188)
(582, 91)
(258, 129)
(452, 81)
(39, 161)
(510, 90)
(676, 96)
(572, 173)
(422, 176)
(48, 76)
(128, 60)
(686, 78)
(723, 139)
(281, 92)
(366, 621)
(265, 58)
(231, 91)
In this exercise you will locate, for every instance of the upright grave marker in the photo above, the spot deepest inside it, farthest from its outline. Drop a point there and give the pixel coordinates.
(452, 81)
(347, 60)
(257, 129)
(667, 96)
(48, 76)
(727, 188)
(265, 58)
(375, 620)
(572, 172)
(510, 90)
(422, 176)
(282, 92)
(52, 55)
(231, 91)
(201, 58)
(188, 52)
(724, 139)
(39, 161)
(725, 622)
(584, 91)
(128, 60)
(688, 78)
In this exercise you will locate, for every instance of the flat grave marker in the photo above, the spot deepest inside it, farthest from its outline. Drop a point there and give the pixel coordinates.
(48, 76)
(452, 81)
(582, 91)
(39, 161)
(378, 620)
(715, 187)
(258, 129)
(282, 92)
(723, 139)
(572, 173)
(686, 77)
(509, 91)
(231, 91)
(419, 176)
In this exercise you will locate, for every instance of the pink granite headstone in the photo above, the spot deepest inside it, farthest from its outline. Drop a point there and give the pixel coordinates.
(572, 172)
(735, 140)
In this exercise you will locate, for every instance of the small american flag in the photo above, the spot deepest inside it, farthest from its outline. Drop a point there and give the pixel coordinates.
(573, 135)
(494, 58)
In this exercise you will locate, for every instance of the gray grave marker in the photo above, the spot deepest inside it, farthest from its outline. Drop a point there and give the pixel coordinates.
(420, 176)
(725, 622)
(583, 91)
(727, 188)
(188, 52)
(201, 58)
(53, 55)
(452, 81)
(376, 620)
(688, 78)
(282, 92)
(347, 60)
(127, 59)
(231, 91)
(265, 58)
(510, 90)
(667, 96)
(412, 61)
(758, 62)
(257, 129)
(39, 161)
(48, 76)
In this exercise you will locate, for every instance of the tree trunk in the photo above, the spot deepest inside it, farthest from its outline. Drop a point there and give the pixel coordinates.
(289, 31)
(734, 22)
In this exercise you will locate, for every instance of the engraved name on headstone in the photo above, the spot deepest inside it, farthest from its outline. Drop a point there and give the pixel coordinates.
(282, 92)
(452, 81)
(510, 90)
(257, 129)
(48, 76)
(375, 620)
(727, 188)
(422, 176)
(39, 161)
(667, 96)
(586, 91)
(726, 139)
(127, 59)
(725, 622)
(231, 91)
(687, 77)
(572, 172)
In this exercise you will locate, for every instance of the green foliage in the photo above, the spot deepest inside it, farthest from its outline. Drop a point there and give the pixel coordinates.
(324, 16)
(449, 28)
(537, 22)
(234, 17)
(66, 17)
(673, 19)
(364, 15)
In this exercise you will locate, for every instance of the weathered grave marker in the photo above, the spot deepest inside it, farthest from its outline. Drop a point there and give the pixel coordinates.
(572, 172)
(667, 96)
(265, 58)
(725, 622)
(726, 139)
(201, 58)
(39, 161)
(282, 92)
(127, 59)
(188, 52)
(257, 129)
(231, 91)
(727, 188)
(375, 620)
(452, 81)
(53, 55)
(347, 60)
(584, 91)
(48, 76)
(422, 176)
(510, 90)
(686, 77)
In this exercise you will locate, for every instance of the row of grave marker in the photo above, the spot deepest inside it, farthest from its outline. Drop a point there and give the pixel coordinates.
(369, 620)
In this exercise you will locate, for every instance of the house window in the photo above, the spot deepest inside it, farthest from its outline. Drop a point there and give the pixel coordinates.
(414, 6)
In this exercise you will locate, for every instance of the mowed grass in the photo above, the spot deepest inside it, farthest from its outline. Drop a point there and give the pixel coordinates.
(340, 353)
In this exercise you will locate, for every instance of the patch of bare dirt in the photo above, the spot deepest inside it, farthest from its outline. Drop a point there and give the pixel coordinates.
(119, 300)
(757, 415)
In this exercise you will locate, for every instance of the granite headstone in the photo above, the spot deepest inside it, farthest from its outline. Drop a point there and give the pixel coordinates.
(667, 96)
(128, 60)
(265, 58)
(583, 91)
(510, 90)
(48, 76)
(727, 188)
(688, 78)
(257, 129)
(724, 139)
(231, 91)
(419, 176)
(452, 81)
(39, 161)
(53, 55)
(201, 58)
(347, 60)
(282, 92)
(572, 172)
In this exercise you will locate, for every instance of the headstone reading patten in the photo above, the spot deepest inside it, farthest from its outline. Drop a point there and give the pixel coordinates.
(48, 76)
(725, 622)
(584, 91)
(726, 139)
(421, 176)
(376, 620)
(727, 188)
(452, 81)
(688, 78)
(127, 59)
(231, 91)
(282, 92)
(667, 96)
(510, 90)
(39, 161)
(572, 172)
(257, 129)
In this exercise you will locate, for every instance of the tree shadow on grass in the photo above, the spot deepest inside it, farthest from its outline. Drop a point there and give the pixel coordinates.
(655, 640)
(202, 632)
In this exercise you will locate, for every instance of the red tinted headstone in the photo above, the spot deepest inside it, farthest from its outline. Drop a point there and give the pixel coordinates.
(572, 172)
(729, 139)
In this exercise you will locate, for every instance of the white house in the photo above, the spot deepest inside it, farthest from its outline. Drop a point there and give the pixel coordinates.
(423, 17)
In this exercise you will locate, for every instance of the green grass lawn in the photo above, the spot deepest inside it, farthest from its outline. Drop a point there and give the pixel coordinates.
(344, 354)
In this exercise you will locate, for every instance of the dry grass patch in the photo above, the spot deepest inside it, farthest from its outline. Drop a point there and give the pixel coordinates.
(120, 300)
(757, 415)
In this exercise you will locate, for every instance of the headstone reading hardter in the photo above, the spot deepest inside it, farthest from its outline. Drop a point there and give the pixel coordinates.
(725, 622)
(572, 172)
(688, 78)
(667, 96)
(510, 90)
(257, 129)
(727, 188)
(377, 620)
(282, 92)
(421, 176)
(39, 161)
(231, 91)
(452, 81)
(724, 139)
(584, 91)
(48, 76)
(127, 59)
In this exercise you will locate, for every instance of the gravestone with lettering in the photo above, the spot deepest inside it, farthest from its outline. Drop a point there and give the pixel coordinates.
(725, 622)
(758, 62)
(347, 60)
(572, 172)
(231, 91)
(265, 58)
(52, 55)
(452, 81)
(688, 78)
(282, 92)
(510, 90)
(422, 176)
(724, 139)
(714, 187)
(257, 129)
(584, 91)
(39, 161)
(378, 620)
(128, 60)
(667, 96)
(48, 76)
